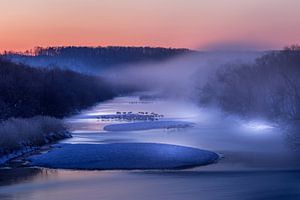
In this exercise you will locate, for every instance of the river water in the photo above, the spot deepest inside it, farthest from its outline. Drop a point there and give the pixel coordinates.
(256, 162)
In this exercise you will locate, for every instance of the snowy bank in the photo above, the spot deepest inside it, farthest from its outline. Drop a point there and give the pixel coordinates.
(19, 136)
(126, 156)
(137, 126)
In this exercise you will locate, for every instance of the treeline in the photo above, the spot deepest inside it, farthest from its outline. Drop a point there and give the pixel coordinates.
(268, 88)
(27, 92)
(92, 59)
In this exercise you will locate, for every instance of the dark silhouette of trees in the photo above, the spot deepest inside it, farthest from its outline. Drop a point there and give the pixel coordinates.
(27, 92)
(92, 59)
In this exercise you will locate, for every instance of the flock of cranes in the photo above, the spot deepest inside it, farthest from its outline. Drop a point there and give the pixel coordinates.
(130, 116)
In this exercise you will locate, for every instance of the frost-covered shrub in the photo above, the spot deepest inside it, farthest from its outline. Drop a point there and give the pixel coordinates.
(17, 133)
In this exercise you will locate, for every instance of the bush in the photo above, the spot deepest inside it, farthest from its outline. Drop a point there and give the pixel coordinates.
(16, 134)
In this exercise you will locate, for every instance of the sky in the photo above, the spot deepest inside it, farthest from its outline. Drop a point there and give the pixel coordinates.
(195, 24)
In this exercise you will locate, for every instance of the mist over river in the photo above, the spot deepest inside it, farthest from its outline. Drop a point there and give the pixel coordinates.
(256, 161)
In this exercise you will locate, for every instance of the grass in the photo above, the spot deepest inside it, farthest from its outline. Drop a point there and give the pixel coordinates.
(18, 133)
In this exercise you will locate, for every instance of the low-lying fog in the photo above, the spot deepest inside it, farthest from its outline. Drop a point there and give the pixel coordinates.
(179, 77)
(180, 80)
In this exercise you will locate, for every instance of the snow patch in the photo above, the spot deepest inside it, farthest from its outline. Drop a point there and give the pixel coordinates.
(123, 156)
(15, 154)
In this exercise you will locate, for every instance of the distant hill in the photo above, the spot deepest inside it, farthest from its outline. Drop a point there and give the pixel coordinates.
(92, 59)
(26, 91)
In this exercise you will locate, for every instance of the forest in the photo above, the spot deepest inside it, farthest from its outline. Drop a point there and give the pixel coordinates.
(268, 88)
(92, 59)
(27, 92)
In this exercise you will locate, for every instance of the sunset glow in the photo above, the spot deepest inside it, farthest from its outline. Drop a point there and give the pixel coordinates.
(168, 23)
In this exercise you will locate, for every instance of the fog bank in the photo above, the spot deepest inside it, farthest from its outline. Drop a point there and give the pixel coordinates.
(179, 77)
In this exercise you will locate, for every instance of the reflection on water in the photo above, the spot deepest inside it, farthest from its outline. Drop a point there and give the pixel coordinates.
(70, 185)
(256, 165)
(13, 176)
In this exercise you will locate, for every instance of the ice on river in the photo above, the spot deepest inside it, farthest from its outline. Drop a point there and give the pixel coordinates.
(126, 156)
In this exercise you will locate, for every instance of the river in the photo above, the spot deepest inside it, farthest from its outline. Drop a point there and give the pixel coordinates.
(256, 162)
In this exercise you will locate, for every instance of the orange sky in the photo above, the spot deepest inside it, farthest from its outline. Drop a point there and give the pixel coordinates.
(169, 23)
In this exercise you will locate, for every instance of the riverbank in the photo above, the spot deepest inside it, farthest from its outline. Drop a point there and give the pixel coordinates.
(19, 136)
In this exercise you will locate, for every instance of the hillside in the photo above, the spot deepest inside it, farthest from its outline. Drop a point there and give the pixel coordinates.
(92, 59)
(27, 91)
